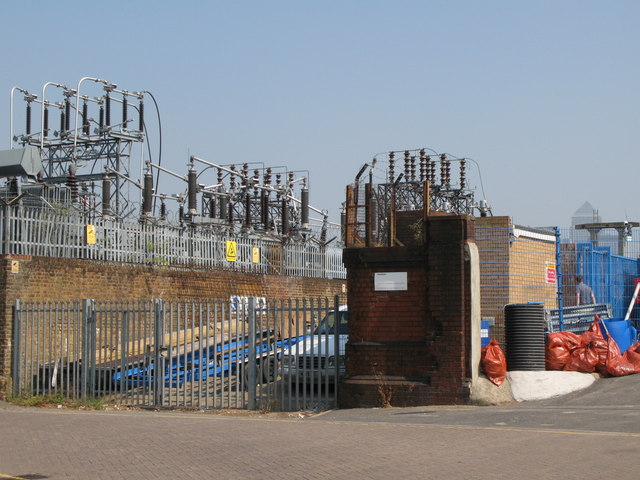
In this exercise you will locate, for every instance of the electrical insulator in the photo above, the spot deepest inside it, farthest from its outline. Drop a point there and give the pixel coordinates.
(391, 165)
(147, 194)
(212, 207)
(413, 168)
(423, 166)
(163, 210)
(264, 208)
(85, 195)
(192, 190)
(107, 104)
(45, 128)
(220, 176)
(247, 211)
(285, 217)
(232, 177)
(141, 116)
(85, 119)
(448, 173)
(245, 173)
(72, 183)
(101, 118)
(463, 179)
(224, 208)
(407, 168)
(230, 213)
(124, 112)
(67, 114)
(106, 195)
(61, 123)
(28, 118)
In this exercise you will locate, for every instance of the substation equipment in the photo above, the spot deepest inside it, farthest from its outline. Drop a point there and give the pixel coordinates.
(419, 185)
(97, 162)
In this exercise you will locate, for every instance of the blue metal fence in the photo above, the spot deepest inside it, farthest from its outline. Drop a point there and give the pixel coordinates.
(611, 277)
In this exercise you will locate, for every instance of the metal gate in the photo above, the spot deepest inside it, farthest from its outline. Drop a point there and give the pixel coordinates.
(246, 352)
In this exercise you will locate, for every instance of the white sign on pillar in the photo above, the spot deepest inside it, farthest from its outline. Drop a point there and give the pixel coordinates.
(390, 281)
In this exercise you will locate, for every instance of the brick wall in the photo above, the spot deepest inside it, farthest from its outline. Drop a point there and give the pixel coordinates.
(410, 347)
(55, 279)
(512, 269)
(528, 260)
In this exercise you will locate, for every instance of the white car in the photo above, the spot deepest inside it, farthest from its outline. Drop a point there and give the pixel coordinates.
(312, 359)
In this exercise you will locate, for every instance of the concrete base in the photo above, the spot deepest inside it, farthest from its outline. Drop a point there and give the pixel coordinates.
(547, 384)
(520, 386)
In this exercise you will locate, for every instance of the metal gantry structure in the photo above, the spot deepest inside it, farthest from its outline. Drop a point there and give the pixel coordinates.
(95, 165)
(79, 155)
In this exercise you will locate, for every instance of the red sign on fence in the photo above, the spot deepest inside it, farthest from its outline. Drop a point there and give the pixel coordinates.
(550, 273)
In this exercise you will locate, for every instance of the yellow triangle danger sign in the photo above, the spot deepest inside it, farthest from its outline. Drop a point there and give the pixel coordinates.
(232, 251)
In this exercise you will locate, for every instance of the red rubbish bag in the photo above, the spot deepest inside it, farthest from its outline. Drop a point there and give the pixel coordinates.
(632, 355)
(614, 364)
(493, 362)
(585, 357)
(558, 351)
(626, 364)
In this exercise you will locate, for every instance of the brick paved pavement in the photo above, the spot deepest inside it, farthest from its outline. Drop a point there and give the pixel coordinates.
(67, 444)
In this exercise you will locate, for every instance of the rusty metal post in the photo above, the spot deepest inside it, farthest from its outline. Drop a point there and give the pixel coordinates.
(349, 223)
(426, 198)
(392, 219)
(368, 208)
(426, 209)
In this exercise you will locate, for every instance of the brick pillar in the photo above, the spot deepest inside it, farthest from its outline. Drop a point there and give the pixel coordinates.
(410, 347)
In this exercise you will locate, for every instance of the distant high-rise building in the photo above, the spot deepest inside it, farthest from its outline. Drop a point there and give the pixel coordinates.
(587, 213)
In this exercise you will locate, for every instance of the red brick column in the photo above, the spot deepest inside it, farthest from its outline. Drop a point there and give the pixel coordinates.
(410, 347)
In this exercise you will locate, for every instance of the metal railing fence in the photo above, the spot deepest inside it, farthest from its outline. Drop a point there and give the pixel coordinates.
(246, 353)
(51, 233)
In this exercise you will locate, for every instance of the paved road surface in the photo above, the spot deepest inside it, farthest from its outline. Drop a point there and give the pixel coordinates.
(590, 434)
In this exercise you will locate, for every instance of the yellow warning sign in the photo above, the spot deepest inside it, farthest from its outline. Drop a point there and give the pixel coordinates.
(91, 234)
(255, 255)
(232, 251)
(15, 266)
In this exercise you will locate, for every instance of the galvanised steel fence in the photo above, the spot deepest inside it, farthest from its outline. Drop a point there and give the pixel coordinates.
(244, 353)
(52, 233)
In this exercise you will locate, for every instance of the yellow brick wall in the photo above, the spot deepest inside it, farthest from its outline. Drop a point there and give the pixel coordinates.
(528, 260)
(512, 270)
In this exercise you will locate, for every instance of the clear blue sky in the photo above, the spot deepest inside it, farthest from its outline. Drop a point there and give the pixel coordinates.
(543, 95)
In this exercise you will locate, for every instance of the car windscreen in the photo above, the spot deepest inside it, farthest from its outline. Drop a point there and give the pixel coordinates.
(327, 325)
